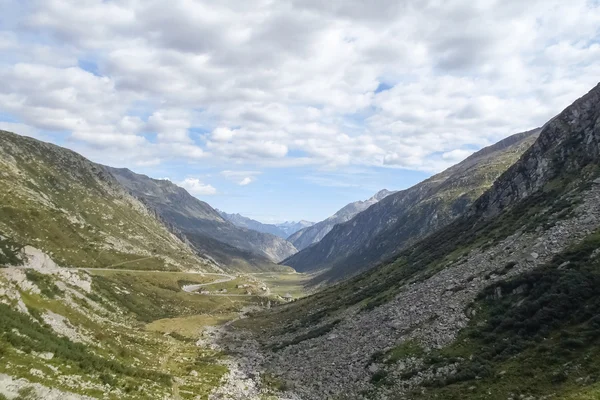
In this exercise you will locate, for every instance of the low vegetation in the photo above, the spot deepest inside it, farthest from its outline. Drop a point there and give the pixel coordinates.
(151, 296)
(540, 338)
(56, 200)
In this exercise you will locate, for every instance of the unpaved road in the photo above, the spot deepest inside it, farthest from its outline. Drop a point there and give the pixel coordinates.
(194, 288)
(226, 278)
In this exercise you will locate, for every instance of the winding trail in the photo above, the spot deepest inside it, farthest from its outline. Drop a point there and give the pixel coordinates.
(195, 287)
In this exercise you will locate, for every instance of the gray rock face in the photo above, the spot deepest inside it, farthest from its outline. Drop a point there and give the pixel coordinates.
(568, 143)
(208, 232)
(313, 234)
(402, 218)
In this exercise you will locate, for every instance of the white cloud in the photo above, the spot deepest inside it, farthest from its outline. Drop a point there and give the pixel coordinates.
(287, 83)
(246, 181)
(196, 187)
(242, 178)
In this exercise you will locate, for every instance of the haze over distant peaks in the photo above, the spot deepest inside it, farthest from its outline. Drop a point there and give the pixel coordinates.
(314, 233)
(283, 230)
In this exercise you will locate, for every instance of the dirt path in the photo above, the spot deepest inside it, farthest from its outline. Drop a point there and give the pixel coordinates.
(195, 287)
(164, 362)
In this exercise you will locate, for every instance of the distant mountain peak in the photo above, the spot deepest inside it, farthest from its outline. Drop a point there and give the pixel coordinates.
(312, 234)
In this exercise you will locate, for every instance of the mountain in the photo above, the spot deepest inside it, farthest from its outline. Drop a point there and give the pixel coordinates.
(206, 230)
(404, 217)
(76, 211)
(313, 234)
(249, 223)
(501, 303)
(291, 227)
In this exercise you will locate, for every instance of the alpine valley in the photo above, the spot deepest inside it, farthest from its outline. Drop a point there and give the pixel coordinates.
(481, 282)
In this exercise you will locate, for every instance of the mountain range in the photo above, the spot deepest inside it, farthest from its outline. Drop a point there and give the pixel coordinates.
(402, 218)
(313, 234)
(283, 230)
(203, 227)
(481, 282)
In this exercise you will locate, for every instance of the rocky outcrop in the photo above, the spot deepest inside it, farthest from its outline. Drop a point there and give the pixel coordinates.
(203, 226)
(313, 234)
(403, 218)
(568, 144)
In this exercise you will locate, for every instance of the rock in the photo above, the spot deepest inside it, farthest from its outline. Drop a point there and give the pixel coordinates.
(535, 255)
(46, 356)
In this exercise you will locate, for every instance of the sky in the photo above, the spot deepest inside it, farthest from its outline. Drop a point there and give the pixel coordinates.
(290, 109)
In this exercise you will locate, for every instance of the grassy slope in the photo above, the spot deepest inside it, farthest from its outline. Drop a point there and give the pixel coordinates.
(152, 296)
(58, 201)
(141, 333)
(121, 360)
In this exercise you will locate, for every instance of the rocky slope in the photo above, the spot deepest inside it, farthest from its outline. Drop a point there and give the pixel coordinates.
(313, 234)
(501, 303)
(74, 210)
(202, 225)
(249, 223)
(401, 219)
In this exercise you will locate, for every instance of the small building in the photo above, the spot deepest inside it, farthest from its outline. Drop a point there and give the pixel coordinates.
(288, 297)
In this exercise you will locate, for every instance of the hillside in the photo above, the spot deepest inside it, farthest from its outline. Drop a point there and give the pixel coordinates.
(249, 223)
(74, 210)
(206, 230)
(401, 219)
(313, 234)
(118, 334)
(501, 303)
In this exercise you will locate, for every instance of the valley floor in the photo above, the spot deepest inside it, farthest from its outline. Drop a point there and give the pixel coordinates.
(129, 334)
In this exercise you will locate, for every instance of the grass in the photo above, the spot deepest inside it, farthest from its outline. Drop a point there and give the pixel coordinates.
(404, 350)
(139, 363)
(151, 296)
(22, 333)
(292, 283)
(311, 334)
(189, 326)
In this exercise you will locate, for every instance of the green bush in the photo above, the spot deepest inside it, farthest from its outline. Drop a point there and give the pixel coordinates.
(44, 282)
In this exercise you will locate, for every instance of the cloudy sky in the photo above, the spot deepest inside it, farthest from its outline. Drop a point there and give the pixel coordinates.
(289, 109)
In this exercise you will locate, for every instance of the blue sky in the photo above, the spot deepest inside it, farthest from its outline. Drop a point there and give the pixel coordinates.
(289, 110)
